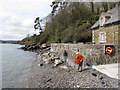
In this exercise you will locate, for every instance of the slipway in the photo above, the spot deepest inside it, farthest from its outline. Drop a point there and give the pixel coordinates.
(110, 70)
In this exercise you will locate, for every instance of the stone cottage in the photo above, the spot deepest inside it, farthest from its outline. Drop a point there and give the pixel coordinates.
(107, 29)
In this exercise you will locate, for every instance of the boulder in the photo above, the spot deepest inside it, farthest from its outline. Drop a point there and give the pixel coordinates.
(54, 57)
(46, 61)
(64, 67)
(38, 55)
(38, 64)
(57, 62)
(94, 74)
(46, 54)
(78, 86)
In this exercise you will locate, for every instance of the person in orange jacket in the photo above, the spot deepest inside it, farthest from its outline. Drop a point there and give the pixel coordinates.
(79, 60)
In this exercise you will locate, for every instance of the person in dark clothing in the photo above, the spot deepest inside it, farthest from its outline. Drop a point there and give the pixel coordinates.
(65, 55)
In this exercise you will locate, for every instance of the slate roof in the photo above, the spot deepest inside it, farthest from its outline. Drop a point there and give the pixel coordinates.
(95, 25)
(115, 17)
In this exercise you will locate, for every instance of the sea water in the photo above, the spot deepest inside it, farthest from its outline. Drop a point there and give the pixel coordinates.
(15, 65)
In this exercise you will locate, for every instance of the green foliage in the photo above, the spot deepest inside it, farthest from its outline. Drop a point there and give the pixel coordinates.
(69, 24)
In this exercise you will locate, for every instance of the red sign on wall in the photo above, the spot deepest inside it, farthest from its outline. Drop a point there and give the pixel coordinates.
(109, 49)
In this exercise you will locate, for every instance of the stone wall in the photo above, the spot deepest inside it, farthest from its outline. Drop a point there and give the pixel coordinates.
(112, 34)
(94, 54)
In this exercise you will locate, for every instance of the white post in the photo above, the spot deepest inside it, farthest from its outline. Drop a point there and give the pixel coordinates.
(113, 34)
(93, 36)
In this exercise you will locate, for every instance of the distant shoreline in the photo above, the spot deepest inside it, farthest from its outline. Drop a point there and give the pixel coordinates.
(10, 42)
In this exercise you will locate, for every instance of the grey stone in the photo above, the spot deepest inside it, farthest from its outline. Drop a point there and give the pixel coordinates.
(41, 64)
(47, 79)
(94, 74)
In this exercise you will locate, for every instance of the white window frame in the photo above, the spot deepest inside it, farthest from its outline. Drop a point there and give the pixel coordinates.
(102, 20)
(102, 37)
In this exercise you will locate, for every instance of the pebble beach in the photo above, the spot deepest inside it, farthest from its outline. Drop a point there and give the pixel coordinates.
(47, 75)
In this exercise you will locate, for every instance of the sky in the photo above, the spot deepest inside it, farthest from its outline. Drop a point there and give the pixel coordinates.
(17, 17)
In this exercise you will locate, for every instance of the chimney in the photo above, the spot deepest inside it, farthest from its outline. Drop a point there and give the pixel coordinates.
(102, 13)
(119, 3)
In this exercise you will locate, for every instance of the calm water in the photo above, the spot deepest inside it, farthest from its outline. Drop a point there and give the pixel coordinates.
(16, 64)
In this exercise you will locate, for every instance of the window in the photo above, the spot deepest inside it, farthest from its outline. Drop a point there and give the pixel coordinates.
(102, 37)
(102, 21)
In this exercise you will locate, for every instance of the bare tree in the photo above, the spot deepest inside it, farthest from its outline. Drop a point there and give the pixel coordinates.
(37, 24)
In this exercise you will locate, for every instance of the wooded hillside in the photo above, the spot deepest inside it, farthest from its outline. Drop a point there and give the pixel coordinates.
(70, 22)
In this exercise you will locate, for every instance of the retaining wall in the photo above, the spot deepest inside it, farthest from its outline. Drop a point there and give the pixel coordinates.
(94, 54)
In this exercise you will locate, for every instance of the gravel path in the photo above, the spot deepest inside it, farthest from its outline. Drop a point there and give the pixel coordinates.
(48, 76)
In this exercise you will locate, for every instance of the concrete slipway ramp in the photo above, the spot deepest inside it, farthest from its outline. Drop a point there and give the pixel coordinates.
(111, 70)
